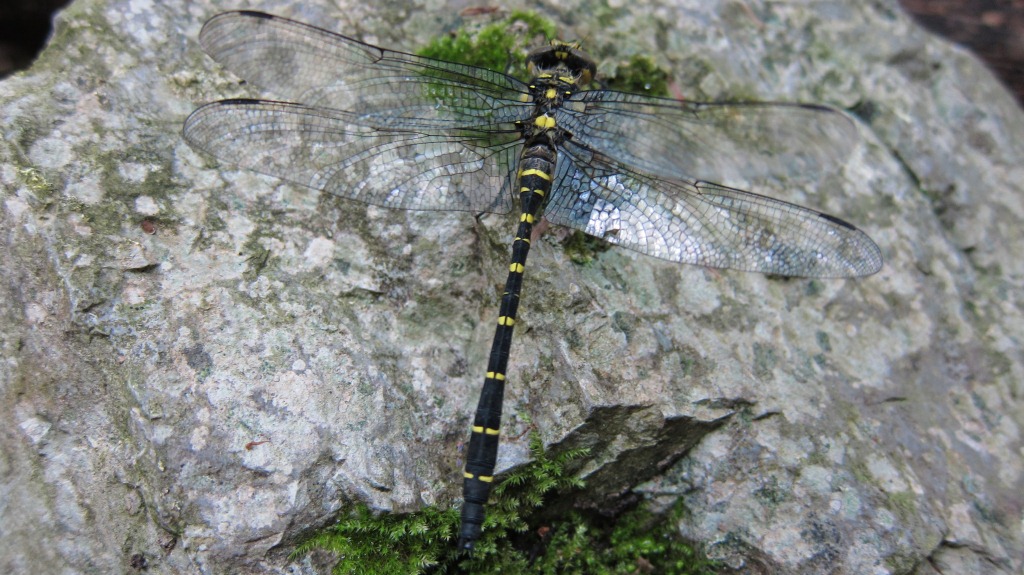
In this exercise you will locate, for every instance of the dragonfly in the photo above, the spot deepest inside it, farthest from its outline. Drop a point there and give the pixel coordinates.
(398, 130)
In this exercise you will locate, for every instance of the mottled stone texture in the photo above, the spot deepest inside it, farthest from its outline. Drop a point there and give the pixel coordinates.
(201, 364)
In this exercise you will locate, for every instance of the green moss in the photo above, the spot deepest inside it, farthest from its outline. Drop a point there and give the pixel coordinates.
(904, 504)
(640, 76)
(407, 544)
(515, 538)
(36, 182)
(387, 544)
(257, 257)
(501, 46)
(582, 248)
(636, 542)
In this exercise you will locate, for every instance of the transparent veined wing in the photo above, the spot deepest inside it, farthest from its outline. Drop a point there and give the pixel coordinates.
(334, 151)
(720, 141)
(698, 222)
(301, 63)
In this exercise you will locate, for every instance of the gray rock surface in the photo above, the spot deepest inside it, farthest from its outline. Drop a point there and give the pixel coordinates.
(200, 364)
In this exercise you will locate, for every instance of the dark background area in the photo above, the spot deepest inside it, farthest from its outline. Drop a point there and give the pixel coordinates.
(993, 29)
(24, 28)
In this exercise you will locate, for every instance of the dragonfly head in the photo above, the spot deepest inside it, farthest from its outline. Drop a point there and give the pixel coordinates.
(560, 59)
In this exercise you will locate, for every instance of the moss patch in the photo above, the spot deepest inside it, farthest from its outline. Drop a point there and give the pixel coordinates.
(501, 46)
(582, 248)
(516, 539)
(413, 543)
(640, 76)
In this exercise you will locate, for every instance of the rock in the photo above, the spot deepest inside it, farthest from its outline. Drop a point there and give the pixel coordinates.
(202, 364)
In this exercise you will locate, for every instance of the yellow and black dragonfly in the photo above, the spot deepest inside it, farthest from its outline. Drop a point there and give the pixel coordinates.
(404, 131)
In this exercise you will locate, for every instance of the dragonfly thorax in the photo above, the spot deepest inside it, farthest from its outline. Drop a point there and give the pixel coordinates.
(562, 59)
(559, 70)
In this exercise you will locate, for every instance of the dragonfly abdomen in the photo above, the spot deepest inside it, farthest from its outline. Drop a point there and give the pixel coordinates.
(537, 167)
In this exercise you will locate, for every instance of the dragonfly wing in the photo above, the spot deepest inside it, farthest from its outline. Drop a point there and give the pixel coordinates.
(702, 223)
(302, 63)
(331, 150)
(694, 140)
